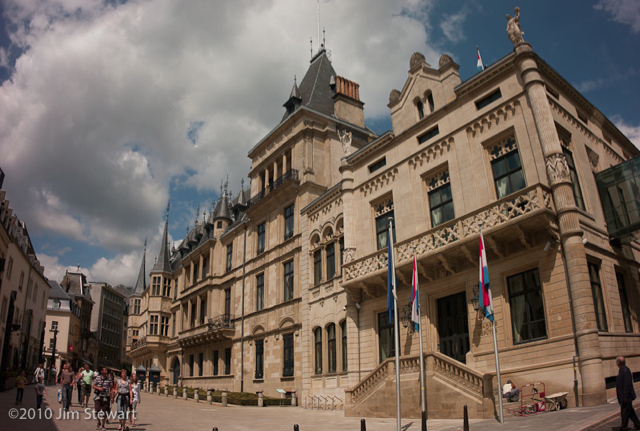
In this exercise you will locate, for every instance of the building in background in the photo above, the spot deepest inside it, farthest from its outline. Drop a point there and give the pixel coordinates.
(108, 318)
(76, 286)
(284, 286)
(62, 331)
(23, 293)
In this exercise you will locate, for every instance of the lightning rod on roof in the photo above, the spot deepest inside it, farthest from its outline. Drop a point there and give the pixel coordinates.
(318, 24)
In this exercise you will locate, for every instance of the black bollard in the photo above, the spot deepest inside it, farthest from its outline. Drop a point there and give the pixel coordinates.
(465, 425)
(363, 425)
(424, 421)
(296, 427)
(215, 429)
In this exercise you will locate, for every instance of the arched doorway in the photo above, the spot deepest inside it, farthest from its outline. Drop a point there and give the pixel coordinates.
(176, 371)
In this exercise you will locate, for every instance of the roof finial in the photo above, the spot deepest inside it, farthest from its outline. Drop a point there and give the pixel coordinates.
(242, 179)
(226, 185)
(324, 45)
(221, 181)
(145, 244)
(197, 213)
(319, 24)
(311, 43)
(168, 207)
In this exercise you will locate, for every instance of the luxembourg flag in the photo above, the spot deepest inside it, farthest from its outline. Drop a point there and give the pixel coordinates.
(415, 299)
(484, 286)
(479, 65)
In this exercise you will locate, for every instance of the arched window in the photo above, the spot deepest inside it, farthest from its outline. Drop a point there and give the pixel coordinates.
(318, 346)
(420, 107)
(331, 347)
(430, 102)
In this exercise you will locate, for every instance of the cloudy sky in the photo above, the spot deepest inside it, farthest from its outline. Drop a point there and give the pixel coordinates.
(108, 109)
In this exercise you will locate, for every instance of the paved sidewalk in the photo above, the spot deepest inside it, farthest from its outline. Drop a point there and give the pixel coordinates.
(165, 413)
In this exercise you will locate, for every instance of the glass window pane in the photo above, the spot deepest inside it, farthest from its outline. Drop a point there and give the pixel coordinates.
(449, 214)
(434, 198)
(499, 167)
(446, 192)
(513, 160)
(517, 181)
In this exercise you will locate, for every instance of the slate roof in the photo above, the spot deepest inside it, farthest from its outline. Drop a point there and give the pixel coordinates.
(162, 263)
(141, 283)
(56, 291)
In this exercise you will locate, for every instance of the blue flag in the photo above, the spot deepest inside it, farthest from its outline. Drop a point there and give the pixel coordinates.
(391, 288)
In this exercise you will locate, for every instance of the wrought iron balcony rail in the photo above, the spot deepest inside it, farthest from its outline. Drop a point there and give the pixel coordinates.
(223, 321)
(291, 174)
(140, 343)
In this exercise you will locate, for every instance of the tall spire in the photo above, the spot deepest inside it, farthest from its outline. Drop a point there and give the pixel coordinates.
(141, 284)
(162, 263)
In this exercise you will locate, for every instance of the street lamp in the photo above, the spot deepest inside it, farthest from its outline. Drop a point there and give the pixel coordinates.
(475, 300)
(54, 329)
(406, 317)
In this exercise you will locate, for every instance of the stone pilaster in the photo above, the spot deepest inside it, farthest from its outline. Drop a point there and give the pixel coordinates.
(349, 215)
(590, 357)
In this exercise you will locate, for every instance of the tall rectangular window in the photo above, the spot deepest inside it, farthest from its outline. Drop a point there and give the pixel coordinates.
(331, 260)
(164, 326)
(155, 286)
(9, 268)
(624, 302)
(261, 238)
(195, 273)
(317, 334)
(21, 282)
(331, 348)
(153, 325)
(200, 364)
(598, 298)
(173, 325)
(527, 307)
(175, 288)
(288, 358)
(259, 359)
(166, 288)
(382, 229)
(227, 361)
(229, 257)
(203, 309)
(227, 302)
(136, 306)
(441, 205)
(288, 222)
(386, 338)
(507, 174)
(205, 266)
(259, 292)
(575, 182)
(343, 331)
(193, 314)
(341, 253)
(191, 365)
(288, 281)
(215, 362)
(317, 267)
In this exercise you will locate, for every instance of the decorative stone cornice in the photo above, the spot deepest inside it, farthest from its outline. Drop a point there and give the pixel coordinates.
(493, 118)
(371, 148)
(432, 152)
(379, 181)
(584, 130)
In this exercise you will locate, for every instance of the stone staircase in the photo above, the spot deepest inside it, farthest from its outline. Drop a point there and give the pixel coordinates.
(450, 386)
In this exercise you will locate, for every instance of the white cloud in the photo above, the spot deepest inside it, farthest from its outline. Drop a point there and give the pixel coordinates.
(104, 102)
(452, 25)
(622, 11)
(631, 132)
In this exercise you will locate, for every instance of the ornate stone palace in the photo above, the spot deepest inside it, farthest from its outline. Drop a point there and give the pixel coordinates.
(284, 285)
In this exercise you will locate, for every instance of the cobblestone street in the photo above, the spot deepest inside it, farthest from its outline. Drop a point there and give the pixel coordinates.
(165, 413)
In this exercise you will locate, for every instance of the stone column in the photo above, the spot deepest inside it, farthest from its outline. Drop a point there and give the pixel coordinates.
(267, 179)
(349, 211)
(275, 169)
(198, 309)
(294, 399)
(590, 356)
(284, 163)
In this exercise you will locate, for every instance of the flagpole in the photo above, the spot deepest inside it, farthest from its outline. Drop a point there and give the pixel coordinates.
(423, 387)
(495, 350)
(395, 324)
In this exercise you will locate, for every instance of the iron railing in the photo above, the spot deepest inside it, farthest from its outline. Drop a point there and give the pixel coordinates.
(291, 174)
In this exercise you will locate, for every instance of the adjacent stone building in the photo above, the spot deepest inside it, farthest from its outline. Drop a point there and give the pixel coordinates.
(108, 322)
(62, 332)
(284, 286)
(23, 293)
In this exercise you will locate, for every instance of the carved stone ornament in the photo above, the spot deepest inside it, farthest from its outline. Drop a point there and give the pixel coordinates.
(394, 95)
(416, 58)
(349, 254)
(345, 138)
(513, 28)
(557, 168)
(444, 60)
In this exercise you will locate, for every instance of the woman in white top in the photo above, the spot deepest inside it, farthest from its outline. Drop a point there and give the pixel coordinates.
(135, 397)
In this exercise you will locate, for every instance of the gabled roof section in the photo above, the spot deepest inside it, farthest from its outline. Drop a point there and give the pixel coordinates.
(141, 283)
(162, 263)
(56, 291)
(315, 89)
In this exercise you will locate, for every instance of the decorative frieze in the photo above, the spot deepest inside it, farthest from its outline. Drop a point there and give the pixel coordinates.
(383, 207)
(503, 147)
(438, 180)
(431, 153)
(379, 182)
(493, 118)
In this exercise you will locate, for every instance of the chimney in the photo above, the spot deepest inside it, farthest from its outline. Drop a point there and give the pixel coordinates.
(347, 104)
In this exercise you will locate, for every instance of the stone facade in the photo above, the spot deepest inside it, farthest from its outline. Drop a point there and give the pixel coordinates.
(285, 285)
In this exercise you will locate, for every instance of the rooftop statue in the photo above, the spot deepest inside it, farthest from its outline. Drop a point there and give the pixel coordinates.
(513, 27)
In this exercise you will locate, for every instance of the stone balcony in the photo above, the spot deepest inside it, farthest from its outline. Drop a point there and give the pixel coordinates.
(518, 221)
(288, 177)
(146, 344)
(216, 329)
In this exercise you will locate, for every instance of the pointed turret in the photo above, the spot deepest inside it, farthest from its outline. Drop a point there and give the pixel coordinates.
(223, 207)
(294, 98)
(141, 284)
(162, 262)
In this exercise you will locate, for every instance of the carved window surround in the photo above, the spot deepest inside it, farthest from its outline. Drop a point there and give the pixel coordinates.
(504, 146)
(437, 179)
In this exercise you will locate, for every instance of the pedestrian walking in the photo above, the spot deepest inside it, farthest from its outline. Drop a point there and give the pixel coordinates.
(41, 389)
(78, 381)
(135, 398)
(67, 377)
(626, 394)
(39, 372)
(124, 396)
(21, 380)
(87, 381)
(102, 385)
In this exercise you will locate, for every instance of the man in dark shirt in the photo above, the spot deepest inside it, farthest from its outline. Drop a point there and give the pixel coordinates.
(66, 385)
(626, 395)
(102, 385)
